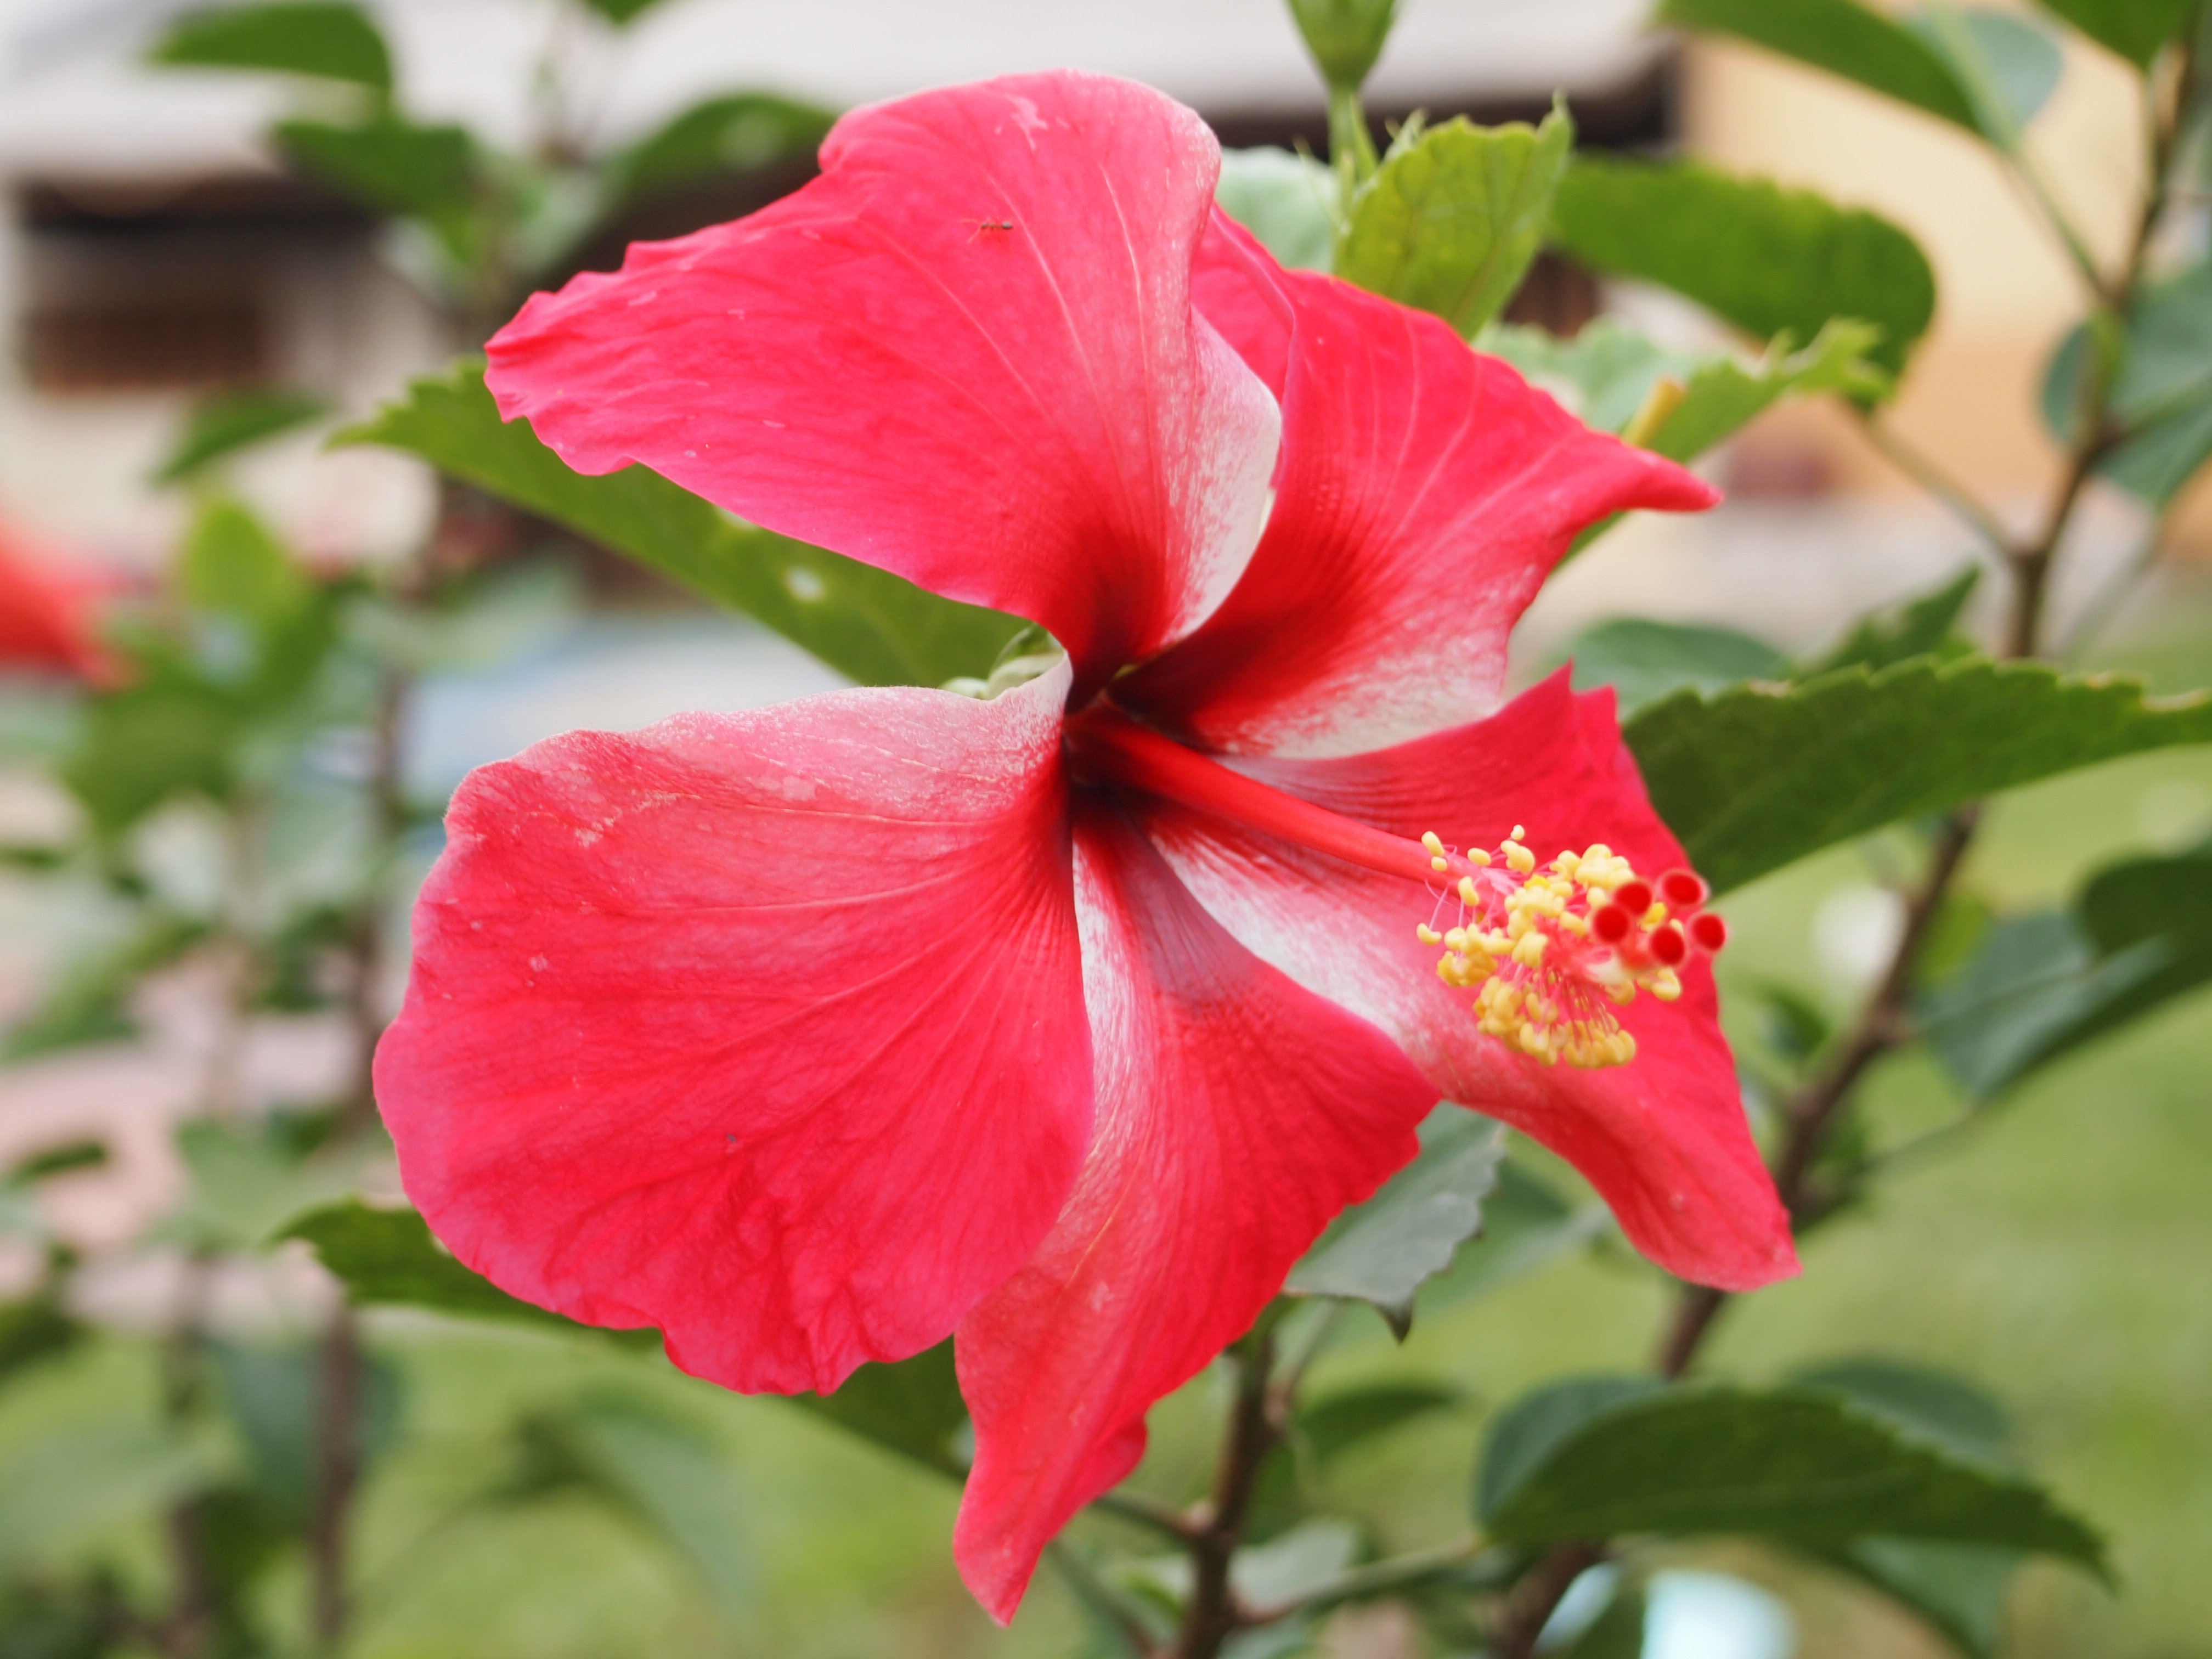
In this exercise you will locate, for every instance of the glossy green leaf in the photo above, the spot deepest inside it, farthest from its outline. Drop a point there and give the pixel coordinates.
(1920, 628)
(1790, 1464)
(1758, 777)
(2006, 65)
(221, 426)
(302, 37)
(1526, 1433)
(862, 621)
(913, 1408)
(393, 165)
(659, 1471)
(1767, 259)
(1644, 661)
(1344, 36)
(1450, 222)
(1525, 1226)
(2136, 29)
(1381, 1251)
(387, 1258)
(1288, 201)
(736, 132)
(1842, 37)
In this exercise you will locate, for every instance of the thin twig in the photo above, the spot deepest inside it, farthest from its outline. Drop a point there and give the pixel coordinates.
(1212, 1616)
(1399, 1572)
(338, 1473)
(1148, 1512)
(1929, 474)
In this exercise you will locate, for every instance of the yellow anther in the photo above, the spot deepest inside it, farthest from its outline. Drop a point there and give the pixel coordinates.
(1434, 843)
(1654, 916)
(1479, 860)
(1427, 934)
(1518, 859)
(1520, 832)
(1529, 950)
(1466, 893)
(1665, 985)
(1439, 864)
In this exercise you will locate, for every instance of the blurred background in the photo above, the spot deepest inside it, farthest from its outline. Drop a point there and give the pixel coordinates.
(155, 249)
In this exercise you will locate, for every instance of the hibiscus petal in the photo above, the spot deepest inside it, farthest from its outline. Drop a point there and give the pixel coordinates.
(1663, 1139)
(766, 1029)
(1237, 1113)
(1423, 493)
(966, 353)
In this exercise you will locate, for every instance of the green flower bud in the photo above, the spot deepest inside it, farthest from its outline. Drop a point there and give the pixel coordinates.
(1344, 36)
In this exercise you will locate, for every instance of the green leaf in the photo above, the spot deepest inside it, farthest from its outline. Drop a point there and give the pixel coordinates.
(1336, 1423)
(1842, 37)
(165, 736)
(1757, 777)
(913, 1408)
(1947, 1410)
(221, 426)
(1958, 1589)
(34, 1329)
(2139, 935)
(91, 1002)
(302, 37)
(737, 132)
(1764, 258)
(2162, 395)
(865, 622)
(275, 1397)
(1791, 1464)
(1643, 661)
(67, 1482)
(1450, 222)
(1381, 1251)
(388, 1258)
(1525, 1225)
(391, 165)
(1288, 201)
(1527, 1432)
(2007, 66)
(1344, 36)
(1607, 373)
(2136, 29)
(231, 565)
(1920, 627)
(621, 13)
(1616, 1633)
(660, 1472)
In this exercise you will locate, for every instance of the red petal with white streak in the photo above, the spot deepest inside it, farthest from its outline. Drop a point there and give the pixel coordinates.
(1425, 493)
(966, 353)
(1663, 1139)
(765, 1029)
(1237, 1115)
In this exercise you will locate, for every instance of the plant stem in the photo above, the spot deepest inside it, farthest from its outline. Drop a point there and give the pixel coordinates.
(1256, 1425)
(338, 1473)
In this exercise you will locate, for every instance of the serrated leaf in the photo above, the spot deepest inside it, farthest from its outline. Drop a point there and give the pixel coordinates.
(659, 1471)
(1920, 628)
(1767, 259)
(317, 38)
(1527, 1432)
(221, 426)
(1842, 37)
(912, 1407)
(1608, 372)
(2136, 29)
(1644, 661)
(1758, 777)
(1450, 223)
(865, 622)
(1790, 1464)
(1945, 1409)
(1380, 1251)
(388, 1258)
(1288, 201)
(1525, 1225)
(735, 133)
(2007, 66)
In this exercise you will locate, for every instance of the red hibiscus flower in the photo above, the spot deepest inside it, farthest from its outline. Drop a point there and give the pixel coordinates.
(1063, 1021)
(47, 614)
